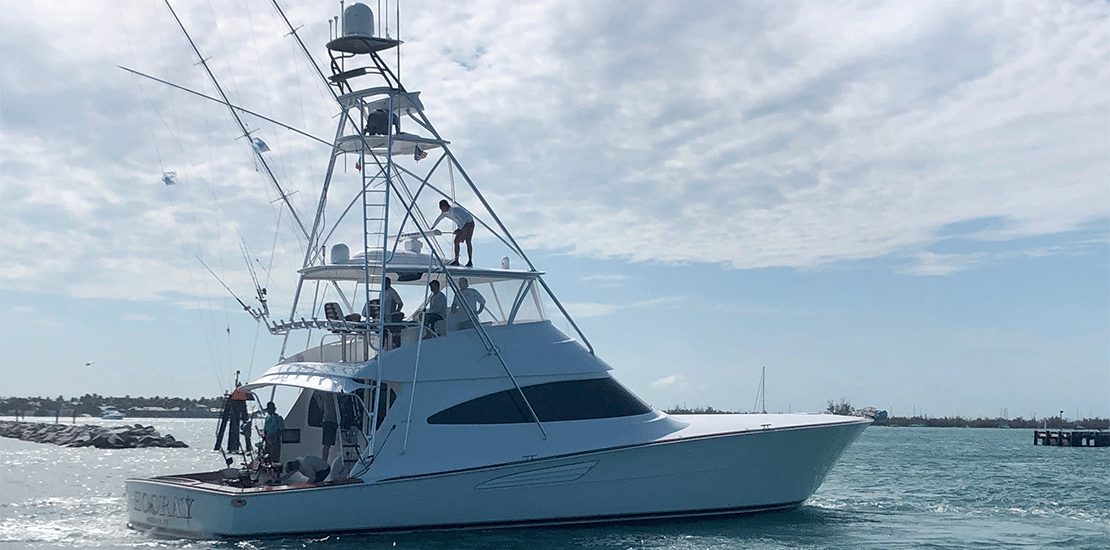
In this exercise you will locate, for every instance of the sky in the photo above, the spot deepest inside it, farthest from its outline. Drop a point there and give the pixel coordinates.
(903, 205)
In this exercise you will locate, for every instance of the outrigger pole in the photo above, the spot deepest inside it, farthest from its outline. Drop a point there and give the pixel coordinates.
(242, 126)
(228, 105)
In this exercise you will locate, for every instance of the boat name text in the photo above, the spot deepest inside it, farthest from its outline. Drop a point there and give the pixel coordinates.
(161, 505)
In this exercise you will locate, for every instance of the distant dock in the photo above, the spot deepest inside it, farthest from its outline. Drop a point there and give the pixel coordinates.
(1071, 438)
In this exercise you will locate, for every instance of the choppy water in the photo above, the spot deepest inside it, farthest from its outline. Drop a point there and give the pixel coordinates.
(894, 488)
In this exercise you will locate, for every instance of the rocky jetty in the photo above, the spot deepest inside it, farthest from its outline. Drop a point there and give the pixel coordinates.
(85, 435)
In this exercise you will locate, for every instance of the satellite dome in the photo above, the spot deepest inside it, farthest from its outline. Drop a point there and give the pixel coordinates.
(358, 20)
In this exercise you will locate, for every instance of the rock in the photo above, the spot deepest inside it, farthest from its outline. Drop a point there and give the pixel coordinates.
(120, 437)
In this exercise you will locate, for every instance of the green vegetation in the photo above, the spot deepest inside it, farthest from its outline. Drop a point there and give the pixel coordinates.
(696, 410)
(843, 408)
(94, 405)
(1054, 423)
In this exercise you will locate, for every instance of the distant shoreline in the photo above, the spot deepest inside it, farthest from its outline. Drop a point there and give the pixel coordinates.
(93, 405)
(1052, 423)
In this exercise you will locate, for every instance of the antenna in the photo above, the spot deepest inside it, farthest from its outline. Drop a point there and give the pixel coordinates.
(761, 394)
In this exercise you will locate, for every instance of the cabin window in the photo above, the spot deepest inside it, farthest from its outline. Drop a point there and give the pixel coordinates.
(351, 406)
(350, 410)
(553, 402)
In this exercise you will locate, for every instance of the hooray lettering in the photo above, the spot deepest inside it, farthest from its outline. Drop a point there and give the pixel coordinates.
(153, 504)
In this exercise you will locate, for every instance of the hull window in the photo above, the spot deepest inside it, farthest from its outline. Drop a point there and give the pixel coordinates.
(553, 402)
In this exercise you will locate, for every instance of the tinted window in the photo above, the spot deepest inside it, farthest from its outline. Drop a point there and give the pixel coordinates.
(553, 402)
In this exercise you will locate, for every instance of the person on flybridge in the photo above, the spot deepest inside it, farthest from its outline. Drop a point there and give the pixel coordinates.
(470, 297)
(465, 231)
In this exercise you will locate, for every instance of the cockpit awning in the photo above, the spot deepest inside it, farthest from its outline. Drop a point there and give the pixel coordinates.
(329, 377)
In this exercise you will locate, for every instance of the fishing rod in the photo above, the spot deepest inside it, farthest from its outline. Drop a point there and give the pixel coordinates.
(242, 125)
(257, 314)
(259, 290)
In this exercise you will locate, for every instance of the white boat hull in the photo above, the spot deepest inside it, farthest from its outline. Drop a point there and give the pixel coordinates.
(728, 473)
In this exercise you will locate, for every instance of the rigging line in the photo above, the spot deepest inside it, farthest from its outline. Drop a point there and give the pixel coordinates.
(284, 158)
(335, 96)
(229, 105)
(229, 291)
(451, 173)
(304, 49)
(324, 79)
(429, 185)
(258, 155)
(196, 297)
(254, 350)
(223, 51)
(147, 104)
(346, 112)
(397, 13)
(261, 297)
(419, 345)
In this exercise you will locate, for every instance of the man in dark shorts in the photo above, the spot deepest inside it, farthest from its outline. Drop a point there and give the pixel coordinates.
(271, 432)
(465, 231)
(329, 424)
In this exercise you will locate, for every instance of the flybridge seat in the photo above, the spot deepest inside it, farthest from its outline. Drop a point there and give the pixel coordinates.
(403, 103)
(350, 323)
(403, 143)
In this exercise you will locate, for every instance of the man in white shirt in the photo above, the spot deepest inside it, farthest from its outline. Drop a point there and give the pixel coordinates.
(391, 302)
(465, 231)
(435, 308)
(314, 468)
(470, 297)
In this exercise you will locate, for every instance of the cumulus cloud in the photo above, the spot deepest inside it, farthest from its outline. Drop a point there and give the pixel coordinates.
(588, 309)
(668, 381)
(749, 135)
(137, 317)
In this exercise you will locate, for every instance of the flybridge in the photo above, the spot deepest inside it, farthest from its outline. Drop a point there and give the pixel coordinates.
(384, 131)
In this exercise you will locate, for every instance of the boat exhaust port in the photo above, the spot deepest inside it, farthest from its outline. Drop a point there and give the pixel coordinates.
(238, 502)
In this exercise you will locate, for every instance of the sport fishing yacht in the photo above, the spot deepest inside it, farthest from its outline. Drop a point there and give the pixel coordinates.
(111, 413)
(488, 417)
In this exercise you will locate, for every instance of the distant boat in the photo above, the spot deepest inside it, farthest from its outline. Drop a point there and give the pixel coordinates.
(870, 413)
(111, 414)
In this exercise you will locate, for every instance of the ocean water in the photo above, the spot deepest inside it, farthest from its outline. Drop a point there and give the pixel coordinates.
(894, 488)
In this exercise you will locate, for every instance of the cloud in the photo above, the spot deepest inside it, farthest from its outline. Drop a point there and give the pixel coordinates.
(664, 301)
(928, 263)
(607, 277)
(753, 135)
(588, 309)
(142, 317)
(669, 381)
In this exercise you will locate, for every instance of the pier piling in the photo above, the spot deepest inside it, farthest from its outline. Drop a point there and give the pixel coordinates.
(1071, 438)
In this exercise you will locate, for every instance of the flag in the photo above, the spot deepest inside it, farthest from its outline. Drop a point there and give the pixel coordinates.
(169, 178)
(419, 154)
(260, 145)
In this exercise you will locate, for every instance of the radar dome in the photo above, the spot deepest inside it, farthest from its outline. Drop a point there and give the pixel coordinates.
(358, 20)
(340, 253)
